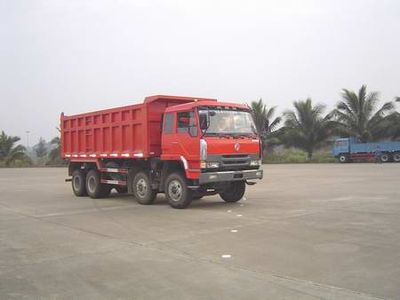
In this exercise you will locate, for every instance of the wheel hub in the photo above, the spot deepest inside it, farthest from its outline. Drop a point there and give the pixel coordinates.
(77, 183)
(175, 190)
(91, 184)
(141, 188)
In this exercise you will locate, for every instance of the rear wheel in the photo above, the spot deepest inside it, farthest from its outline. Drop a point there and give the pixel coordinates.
(142, 189)
(234, 191)
(177, 192)
(94, 187)
(384, 157)
(396, 157)
(78, 183)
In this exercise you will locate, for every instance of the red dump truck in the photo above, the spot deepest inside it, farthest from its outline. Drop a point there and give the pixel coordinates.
(183, 147)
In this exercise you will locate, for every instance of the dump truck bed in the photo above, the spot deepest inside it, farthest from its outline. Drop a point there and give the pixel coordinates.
(122, 132)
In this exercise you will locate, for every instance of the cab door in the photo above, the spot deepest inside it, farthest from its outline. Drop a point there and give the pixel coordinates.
(168, 137)
(187, 136)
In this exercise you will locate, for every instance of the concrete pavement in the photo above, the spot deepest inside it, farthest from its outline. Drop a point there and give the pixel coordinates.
(324, 231)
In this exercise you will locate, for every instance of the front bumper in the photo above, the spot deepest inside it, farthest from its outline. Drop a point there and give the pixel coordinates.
(230, 176)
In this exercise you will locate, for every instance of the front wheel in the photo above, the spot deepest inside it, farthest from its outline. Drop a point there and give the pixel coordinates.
(234, 191)
(343, 158)
(177, 192)
(142, 189)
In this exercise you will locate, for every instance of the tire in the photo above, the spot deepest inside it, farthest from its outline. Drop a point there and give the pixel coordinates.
(141, 186)
(234, 192)
(177, 192)
(79, 183)
(343, 158)
(121, 189)
(384, 157)
(396, 157)
(94, 187)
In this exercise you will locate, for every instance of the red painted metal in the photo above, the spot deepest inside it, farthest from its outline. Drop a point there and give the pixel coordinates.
(132, 131)
(364, 155)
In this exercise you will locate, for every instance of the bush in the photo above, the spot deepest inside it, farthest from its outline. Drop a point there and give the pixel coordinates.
(21, 163)
(295, 156)
(18, 163)
(323, 157)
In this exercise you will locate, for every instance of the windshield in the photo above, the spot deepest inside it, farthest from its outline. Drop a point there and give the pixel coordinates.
(229, 122)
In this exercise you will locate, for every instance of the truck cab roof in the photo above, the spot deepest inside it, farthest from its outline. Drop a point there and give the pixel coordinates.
(206, 103)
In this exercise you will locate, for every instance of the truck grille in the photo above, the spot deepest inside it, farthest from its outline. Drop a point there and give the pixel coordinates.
(235, 160)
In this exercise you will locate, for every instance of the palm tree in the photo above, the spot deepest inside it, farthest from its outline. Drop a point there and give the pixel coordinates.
(9, 152)
(265, 122)
(358, 117)
(393, 123)
(54, 154)
(40, 148)
(306, 127)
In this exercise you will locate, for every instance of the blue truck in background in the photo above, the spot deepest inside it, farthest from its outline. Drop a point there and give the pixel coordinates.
(349, 149)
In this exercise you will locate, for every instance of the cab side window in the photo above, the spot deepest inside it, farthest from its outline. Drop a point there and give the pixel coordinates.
(184, 121)
(341, 143)
(168, 123)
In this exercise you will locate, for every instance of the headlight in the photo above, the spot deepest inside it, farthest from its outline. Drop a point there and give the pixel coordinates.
(209, 164)
(255, 162)
(203, 149)
(212, 164)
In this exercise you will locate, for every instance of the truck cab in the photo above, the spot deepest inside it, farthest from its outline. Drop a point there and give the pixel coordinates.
(341, 149)
(217, 144)
(210, 138)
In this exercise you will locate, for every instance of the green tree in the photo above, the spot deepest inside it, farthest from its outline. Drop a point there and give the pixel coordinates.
(265, 116)
(9, 152)
(54, 155)
(357, 115)
(306, 128)
(393, 123)
(40, 148)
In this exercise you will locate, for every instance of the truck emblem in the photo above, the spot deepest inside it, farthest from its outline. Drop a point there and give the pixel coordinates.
(237, 146)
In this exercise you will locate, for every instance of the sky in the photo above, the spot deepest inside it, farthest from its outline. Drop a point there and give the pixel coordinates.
(81, 55)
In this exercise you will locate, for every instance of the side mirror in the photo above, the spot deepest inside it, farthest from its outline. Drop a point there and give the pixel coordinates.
(204, 121)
